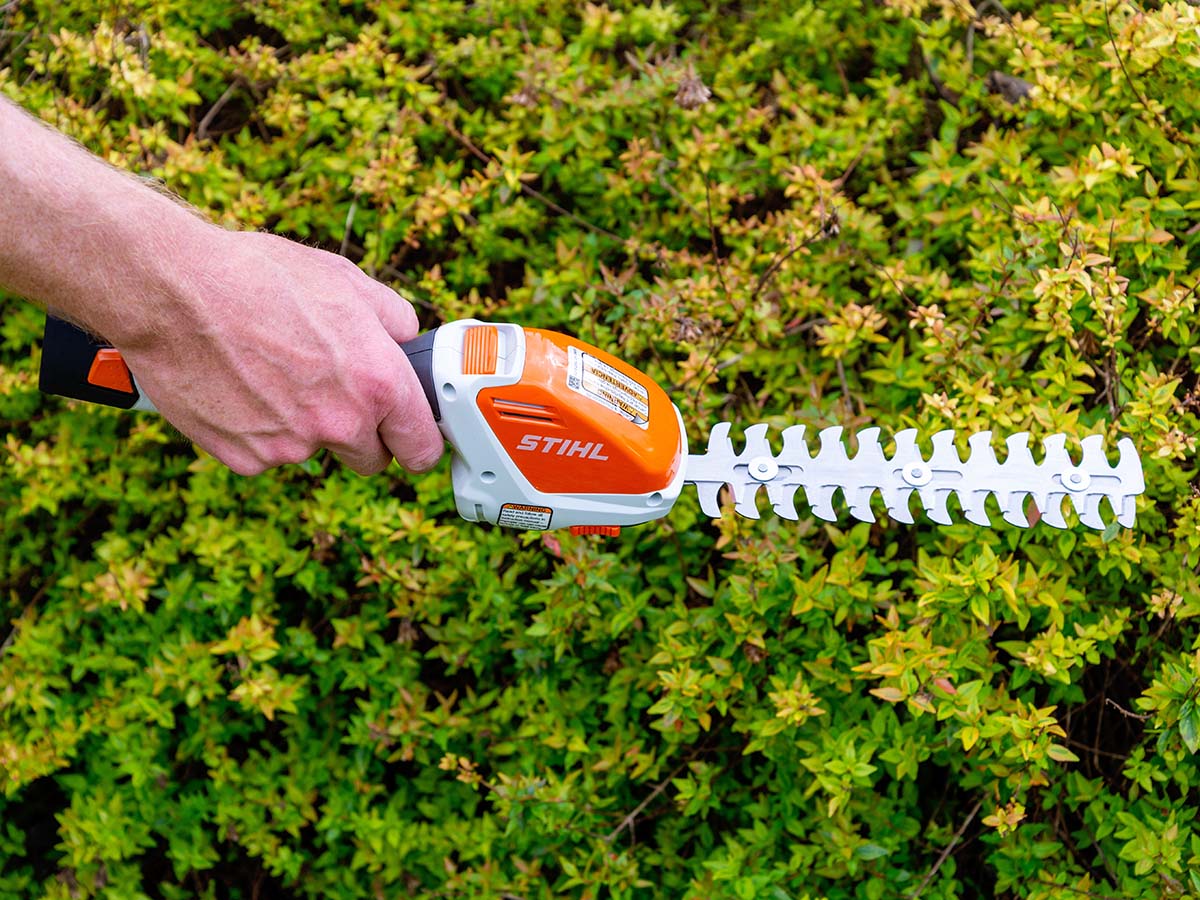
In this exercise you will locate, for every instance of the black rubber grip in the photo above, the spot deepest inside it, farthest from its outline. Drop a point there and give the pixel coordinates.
(420, 354)
(68, 353)
(67, 356)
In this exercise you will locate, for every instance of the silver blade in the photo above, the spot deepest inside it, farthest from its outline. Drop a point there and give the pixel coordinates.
(934, 479)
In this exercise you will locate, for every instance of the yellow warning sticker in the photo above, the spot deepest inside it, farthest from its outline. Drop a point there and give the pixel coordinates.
(598, 381)
(520, 515)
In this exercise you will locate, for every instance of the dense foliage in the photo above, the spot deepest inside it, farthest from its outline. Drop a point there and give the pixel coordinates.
(910, 213)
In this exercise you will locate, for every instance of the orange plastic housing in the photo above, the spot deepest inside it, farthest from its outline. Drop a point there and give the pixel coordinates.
(573, 440)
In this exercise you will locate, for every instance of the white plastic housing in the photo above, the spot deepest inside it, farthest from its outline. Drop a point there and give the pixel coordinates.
(484, 475)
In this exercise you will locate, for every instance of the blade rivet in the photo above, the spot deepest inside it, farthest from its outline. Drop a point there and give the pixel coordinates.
(763, 468)
(1077, 481)
(917, 475)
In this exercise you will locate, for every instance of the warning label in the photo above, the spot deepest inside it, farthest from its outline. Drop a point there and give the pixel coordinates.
(531, 518)
(600, 382)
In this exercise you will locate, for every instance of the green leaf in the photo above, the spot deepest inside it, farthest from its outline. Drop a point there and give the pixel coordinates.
(1189, 728)
(1059, 753)
(870, 851)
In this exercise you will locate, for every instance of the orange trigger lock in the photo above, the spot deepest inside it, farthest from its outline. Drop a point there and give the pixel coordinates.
(606, 530)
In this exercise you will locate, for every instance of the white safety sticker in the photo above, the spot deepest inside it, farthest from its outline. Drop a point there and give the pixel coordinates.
(519, 515)
(599, 381)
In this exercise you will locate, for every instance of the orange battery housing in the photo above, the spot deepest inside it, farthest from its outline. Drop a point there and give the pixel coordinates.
(581, 421)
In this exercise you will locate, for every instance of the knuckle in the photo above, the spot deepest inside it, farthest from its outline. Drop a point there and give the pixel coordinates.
(424, 462)
(380, 391)
(367, 467)
(336, 431)
(244, 467)
(288, 454)
(345, 266)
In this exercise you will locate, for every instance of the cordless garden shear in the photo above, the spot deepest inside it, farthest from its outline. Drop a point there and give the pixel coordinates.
(551, 432)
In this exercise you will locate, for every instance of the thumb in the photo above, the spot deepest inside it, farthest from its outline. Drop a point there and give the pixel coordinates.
(408, 429)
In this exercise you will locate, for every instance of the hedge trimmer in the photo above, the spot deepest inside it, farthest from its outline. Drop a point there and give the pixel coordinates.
(550, 432)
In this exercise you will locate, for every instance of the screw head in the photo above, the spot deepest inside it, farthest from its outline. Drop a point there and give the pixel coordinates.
(916, 474)
(763, 468)
(1077, 481)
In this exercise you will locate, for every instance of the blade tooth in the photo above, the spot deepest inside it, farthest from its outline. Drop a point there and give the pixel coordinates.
(980, 477)
(943, 446)
(1129, 468)
(709, 505)
(944, 460)
(756, 442)
(713, 468)
(1128, 511)
(907, 450)
(1018, 449)
(980, 444)
(746, 506)
(870, 450)
(1094, 460)
(974, 507)
(718, 439)
(1057, 461)
(831, 444)
(795, 448)
(896, 500)
(820, 499)
(894, 490)
(1013, 509)
(1133, 482)
(859, 500)
(934, 501)
(774, 491)
(1088, 507)
(785, 506)
(1052, 513)
(1018, 477)
(740, 488)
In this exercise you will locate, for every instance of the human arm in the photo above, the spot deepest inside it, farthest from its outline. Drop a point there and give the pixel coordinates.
(259, 349)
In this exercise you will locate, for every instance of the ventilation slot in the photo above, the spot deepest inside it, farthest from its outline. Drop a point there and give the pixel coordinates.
(526, 412)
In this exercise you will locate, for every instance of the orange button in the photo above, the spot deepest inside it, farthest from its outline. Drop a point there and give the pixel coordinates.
(480, 348)
(606, 530)
(109, 371)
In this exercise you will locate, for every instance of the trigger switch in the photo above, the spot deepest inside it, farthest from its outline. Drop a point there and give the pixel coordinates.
(109, 371)
(605, 530)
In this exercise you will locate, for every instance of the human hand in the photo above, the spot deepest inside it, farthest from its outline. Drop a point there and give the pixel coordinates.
(265, 351)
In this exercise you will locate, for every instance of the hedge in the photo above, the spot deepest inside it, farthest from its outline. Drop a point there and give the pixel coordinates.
(909, 213)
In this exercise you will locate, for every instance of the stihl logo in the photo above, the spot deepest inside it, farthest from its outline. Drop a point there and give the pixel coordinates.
(562, 447)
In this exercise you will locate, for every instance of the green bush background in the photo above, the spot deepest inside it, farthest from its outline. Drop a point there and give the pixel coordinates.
(903, 214)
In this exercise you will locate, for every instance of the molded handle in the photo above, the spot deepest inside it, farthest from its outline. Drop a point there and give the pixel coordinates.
(77, 365)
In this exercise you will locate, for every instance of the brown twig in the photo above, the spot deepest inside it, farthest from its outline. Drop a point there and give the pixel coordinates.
(849, 400)
(628, 821)
(944, 92)
(1109, 701)
(840, 181)
(947, 850)
(1172, 132)
(533, 192)
(215, 109)
(712, 234)
(12, 635)
(775, 266)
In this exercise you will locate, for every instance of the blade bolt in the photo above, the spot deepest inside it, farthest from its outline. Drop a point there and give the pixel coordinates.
(916, 475)
(763, 468)
(1077, 481)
